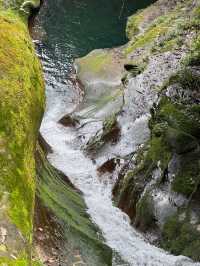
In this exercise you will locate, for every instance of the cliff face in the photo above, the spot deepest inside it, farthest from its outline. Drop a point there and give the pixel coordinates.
(21, 109)
(143, 100)
(153, 105)
(159, 187)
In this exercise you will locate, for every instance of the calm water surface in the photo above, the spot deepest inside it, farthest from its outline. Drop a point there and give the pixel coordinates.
(75, 27)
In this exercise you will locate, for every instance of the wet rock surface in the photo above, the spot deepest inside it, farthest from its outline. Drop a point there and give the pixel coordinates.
(137, 134)
(162, 180)
(68, 121)
(159, 104)
(49, 241)
(64, 234)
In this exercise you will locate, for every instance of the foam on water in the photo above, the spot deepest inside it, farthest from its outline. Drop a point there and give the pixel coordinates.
(115, 225)
(63, 40)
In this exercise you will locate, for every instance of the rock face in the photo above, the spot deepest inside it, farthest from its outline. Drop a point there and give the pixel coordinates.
(159, 187)
(65, 235)
(21, 110)
(158, 118)
(100, 73)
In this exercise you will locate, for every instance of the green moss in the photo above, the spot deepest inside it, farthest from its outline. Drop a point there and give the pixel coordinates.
(68, 206)
(175, 36)
(169, 44)
(166, 32)
(187, 79)
(145, 213)
(110, 132)
(133, 182)
(192, 23)
(54, 192)
(159, 151)
(154, 151)
(181, 237)
(176, 125)
(95, 63)
(187, 178)
(18, 262)
(133, 24)
(21, 109)
(160, 26)
(180, 117)
(193, 59)
(147, 38)
(21, 95)
(179, 141)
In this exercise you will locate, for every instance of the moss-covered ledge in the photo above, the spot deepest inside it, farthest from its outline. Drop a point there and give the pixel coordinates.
(21, 109)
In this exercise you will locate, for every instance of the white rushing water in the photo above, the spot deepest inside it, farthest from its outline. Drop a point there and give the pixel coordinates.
(68, 158)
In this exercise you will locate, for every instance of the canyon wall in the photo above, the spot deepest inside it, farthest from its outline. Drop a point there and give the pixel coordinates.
(21, 109)
(143, 100)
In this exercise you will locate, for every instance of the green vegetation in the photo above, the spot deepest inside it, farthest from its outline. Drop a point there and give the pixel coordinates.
(109, 132)
(147, 38)
(18, 262)
(194, 56)
(181, 237)
(21, 109)
(163, 33)
(133, 24)
(66, 203)
(145, 213)
(174, 126)
(188, 176)
(95, 62)
(55, 192)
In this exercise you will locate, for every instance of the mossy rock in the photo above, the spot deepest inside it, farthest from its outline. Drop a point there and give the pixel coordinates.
(161, 27)
(110, 132)
(181, 237)
(193, 59)
(150, 36)
(133, 24)
(176, 127)
(130, 186)
(20, 6)
(187, 78)
(175, 130)
(180, 142)
(187, 178)
(180, 117)
(145, 219)
(21, 109)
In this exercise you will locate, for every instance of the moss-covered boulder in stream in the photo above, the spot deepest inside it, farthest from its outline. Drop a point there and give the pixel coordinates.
(21, 109)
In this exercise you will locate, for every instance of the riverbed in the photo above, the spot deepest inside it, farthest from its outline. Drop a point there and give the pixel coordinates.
(66, 30)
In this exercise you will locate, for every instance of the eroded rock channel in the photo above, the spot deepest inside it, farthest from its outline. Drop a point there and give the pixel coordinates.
(121, 133)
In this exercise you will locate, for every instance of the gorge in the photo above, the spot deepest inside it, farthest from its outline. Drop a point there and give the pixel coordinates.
(117, 157)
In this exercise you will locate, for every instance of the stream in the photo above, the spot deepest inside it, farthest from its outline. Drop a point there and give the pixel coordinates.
(65, 30)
